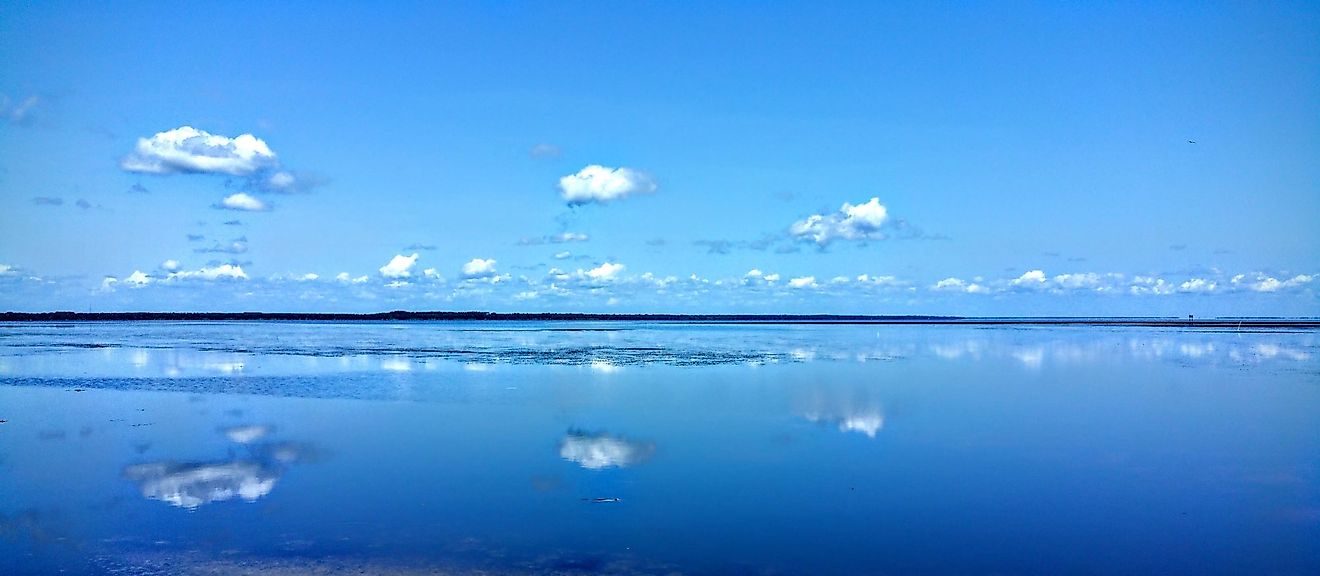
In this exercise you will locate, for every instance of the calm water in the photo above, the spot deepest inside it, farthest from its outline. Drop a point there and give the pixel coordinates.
(269, 448)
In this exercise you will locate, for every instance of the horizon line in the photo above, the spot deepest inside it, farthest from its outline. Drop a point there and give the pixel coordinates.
(475, 315)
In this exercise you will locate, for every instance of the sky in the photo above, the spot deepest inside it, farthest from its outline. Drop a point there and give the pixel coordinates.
(992, 159)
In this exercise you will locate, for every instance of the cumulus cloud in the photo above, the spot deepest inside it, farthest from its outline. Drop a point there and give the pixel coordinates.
(599, 451)
(863, 221)
(399, 267)
(189, 150)
(960, 285)
(1150, 285)
(1198, 285)
(220, 272)
(1264, 283)
(479, 268)
(606, 271)
(170, 265)
(243, 202)
(1030, 279)
(802, 282)
(347, 278)
(137, 279)
(602, 184)
(1086, 280)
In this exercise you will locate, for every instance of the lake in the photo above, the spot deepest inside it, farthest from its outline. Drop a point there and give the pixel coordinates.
(656, 448)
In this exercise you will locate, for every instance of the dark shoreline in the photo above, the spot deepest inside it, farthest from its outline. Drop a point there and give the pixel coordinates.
(399, 315)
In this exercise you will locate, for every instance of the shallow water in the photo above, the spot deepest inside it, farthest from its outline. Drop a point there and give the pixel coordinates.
(277, 447)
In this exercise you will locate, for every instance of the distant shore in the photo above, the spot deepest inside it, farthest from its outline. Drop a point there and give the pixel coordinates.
(400, 315)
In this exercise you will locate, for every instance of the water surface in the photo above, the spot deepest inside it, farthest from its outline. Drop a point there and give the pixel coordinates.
(573, 448)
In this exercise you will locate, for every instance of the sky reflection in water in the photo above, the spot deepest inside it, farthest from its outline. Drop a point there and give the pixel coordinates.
(651, 448)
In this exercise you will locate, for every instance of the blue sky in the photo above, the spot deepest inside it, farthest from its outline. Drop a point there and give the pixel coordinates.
(926, 158)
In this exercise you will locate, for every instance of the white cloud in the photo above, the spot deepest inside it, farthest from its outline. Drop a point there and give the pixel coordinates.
(771, 277)
(1148, 285)
(223, 271)
(170, 265)
(187, 149)
(1031, 279)
(243, 202)
(399, 267)
(138, 279)
(959, 285)
(345, 277)
(563, 255)
(606, 271)
(887, 281)
(479, 268)
(863, 221)
(1270, 284)
(282, 180)
(6, 269)
(1199, 285)
(285, 181)
(597, 183)
(1077, 281)
(753, 273)
(802, 282)
(310, 276)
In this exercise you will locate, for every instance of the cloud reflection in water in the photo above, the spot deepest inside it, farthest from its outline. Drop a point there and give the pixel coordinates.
(190, 485)
(599, 451)
(868, 422)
